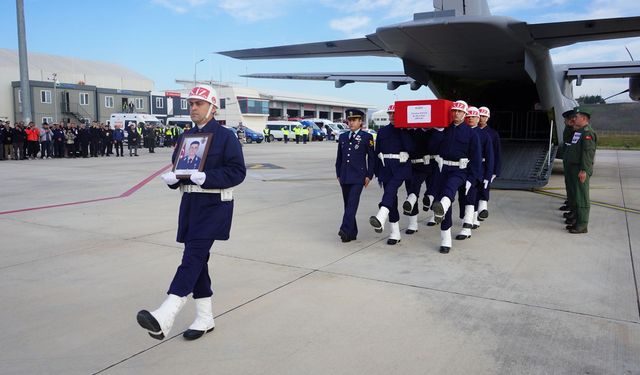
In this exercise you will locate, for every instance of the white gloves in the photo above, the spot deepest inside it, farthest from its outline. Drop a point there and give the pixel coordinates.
(169, 178)
(493, 177)
(486, 183)
(198, 178)
(467, 186)
(404, 156)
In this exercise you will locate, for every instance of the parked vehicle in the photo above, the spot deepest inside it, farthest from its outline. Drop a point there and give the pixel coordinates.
(316, 134)
(180, 121)
(123, 119)
(275, 127)
(250, 135)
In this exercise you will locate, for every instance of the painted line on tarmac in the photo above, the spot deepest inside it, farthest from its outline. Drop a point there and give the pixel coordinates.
(601, 204)
(127, 193)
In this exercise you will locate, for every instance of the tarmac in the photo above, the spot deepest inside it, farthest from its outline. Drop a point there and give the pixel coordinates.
(86, 243)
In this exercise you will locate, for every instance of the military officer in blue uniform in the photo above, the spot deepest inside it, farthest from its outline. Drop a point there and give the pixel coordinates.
(483, 192)
(393, 168)
(468, 202)
(191, 160)
(354, 169)
(459, 160)
(205, 216)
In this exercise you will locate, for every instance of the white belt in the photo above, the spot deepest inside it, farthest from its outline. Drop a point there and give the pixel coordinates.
(391, 156)
(225, 194)
(483, 160)
(423, 160)
(462, 163)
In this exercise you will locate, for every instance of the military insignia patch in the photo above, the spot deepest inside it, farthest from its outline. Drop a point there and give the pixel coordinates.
(588, 138)
(371, 142)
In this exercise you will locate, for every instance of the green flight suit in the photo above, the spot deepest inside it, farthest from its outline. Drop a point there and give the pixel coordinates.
(580, 155)
(567, 135)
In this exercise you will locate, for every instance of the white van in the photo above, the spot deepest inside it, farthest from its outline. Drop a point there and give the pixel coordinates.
(275, 129)
(180, 121)
(123, 119)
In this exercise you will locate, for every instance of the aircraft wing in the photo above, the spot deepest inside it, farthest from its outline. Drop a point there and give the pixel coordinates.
(558, 34)
(368, 46)
(392, 79)
(614, 69)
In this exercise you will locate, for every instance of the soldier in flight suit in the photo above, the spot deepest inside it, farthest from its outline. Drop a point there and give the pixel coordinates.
(459, 158)
(205, 215)
(354, 169)
(580, 155)
(392, 169)
(483, 193)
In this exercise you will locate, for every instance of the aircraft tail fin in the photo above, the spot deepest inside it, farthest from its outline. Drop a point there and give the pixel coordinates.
(463, 7)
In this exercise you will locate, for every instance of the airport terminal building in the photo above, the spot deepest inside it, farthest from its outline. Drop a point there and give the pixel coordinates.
(70, 89)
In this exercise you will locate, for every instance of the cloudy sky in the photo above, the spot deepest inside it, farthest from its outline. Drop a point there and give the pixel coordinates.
(162, 39)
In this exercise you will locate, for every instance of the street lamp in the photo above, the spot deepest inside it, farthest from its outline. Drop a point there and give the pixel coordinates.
(195, 70)
(54, 78)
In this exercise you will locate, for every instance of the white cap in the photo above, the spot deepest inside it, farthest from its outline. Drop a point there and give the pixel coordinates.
(204, 92)
(484, 111)
(459, 105)
(391, 109)
(473, 112)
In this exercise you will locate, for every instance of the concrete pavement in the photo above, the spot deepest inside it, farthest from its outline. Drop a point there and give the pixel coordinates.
(522, 296)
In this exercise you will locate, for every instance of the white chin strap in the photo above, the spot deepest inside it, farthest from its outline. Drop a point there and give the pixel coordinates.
(210, 110)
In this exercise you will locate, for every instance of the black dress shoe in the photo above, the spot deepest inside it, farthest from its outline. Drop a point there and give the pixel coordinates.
(480, 219)
(426, 203)
(569, 227)
(376, 224)
(475, 226)
(192, 334)
(342, 234)
(569, 214)
(570, 221)
(462, 237)
(410, 231)
(392, 241)
(431, 223)
(444, 249)
(438, 212)
(407, 208)
(483, 214)
(564, 207)
(148, 322)
(576, 230)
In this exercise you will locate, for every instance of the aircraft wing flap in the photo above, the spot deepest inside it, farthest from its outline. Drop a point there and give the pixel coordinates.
(614, 69)
(558, 34)
(373, 77)
(336, 48)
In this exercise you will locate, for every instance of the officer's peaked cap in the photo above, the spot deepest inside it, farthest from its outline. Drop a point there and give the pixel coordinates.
(354, 113)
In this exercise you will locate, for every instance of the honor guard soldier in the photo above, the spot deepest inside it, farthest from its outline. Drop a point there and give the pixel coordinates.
(580, 155)
(354, 169)
(483, 194)
(459, 160)
(392, 169)
(469, 202)
(421, 164)
(205, 215)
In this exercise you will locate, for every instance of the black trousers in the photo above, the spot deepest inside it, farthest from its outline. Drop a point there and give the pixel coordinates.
(119, 148)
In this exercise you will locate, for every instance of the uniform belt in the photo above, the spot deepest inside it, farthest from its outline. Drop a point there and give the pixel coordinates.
(462, 163)
(483, 160)
(225, 194)
(423, 160)
(391, 156)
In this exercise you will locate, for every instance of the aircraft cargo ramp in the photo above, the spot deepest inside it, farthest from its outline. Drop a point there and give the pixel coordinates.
(525, 164)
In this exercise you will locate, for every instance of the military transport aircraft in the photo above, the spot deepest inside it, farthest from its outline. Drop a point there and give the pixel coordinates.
(461, 51)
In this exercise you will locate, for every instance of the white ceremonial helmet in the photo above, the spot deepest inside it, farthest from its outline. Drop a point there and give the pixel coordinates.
(460, 105)
(204, 92)
(473, 112)
(484, 111)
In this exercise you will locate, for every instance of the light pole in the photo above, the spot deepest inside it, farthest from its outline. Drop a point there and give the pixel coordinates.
(195, 71)
(54, 78)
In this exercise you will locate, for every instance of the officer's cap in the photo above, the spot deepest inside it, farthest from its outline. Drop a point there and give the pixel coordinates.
(354, 113)
(568, 114)
(582, 110)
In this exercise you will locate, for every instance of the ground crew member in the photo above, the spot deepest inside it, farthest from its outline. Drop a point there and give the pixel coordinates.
(393, 168)
(298, 133)
(483, 193)
(580, 155)
(305, 135)
(459, 161)
(354, 168)
(469, 201)
(266, 132)
(285, 133)
(205, 215)
(567, 135)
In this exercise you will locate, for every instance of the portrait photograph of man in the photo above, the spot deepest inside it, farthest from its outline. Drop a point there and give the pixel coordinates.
(193, 150)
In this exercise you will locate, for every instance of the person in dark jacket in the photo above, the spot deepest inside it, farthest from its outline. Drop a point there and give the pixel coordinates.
(118, 140)
(206, 210)
(133, 139)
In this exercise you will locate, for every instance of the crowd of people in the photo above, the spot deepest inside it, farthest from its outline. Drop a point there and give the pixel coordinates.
(71, 140)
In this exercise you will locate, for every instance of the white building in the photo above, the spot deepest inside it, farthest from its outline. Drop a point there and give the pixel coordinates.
(380, 118)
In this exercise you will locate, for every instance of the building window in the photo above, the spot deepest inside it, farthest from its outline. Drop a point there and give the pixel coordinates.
(159, 102)
(45, 96)
(139, 103)
(108, 101)
(47, 120)
(84, 98)
(254, 106)
(223, 103)
(184, 104)
(19, 96)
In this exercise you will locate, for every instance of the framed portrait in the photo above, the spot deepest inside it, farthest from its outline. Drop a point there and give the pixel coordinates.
(192, 154)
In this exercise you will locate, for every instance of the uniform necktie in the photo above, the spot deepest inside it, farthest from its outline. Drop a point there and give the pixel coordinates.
(351, 138)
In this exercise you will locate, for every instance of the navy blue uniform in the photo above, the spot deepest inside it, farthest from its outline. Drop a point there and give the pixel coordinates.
(420, 168)
(392, 173)
(458, 142)
(483, 194)
(355, 162)
(204, 217)
(186, 163)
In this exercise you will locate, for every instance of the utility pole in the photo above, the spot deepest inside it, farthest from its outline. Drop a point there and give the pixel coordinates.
(24, 64)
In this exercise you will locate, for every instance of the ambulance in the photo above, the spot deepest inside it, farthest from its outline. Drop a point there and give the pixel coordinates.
(123, 120)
